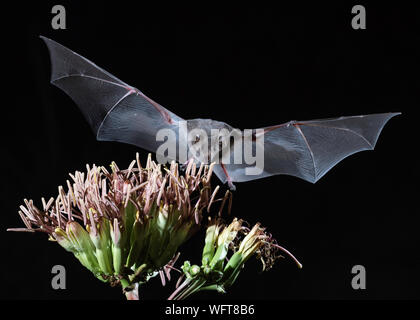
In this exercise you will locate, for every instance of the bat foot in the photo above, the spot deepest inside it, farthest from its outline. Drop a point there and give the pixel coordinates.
(232, 187)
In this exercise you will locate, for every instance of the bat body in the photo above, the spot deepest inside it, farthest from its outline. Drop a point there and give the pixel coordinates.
(119, 112)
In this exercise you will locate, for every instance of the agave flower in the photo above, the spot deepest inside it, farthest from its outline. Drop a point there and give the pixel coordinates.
(126, 226)
(225, 252)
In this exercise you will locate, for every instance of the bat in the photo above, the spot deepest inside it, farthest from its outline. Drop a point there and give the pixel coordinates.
(119, 112)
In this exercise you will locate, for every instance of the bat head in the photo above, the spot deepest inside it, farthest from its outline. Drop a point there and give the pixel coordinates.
(209, 140)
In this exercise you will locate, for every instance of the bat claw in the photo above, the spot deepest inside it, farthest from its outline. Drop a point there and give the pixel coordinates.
(232, 187)
(228, 178)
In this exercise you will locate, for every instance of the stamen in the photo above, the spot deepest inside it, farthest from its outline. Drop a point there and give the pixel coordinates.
(210, 171)
(162, 188)
(138, 162)
(288, 253)
(212, 198)
(223, 203)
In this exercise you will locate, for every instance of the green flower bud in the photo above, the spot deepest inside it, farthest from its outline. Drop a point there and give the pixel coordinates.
(101, 238)
(194, 270)
(85, 249)
(223, 241)
(138, 243)
(63, 240)
(117, 246)
(232, 269)
(212, 233)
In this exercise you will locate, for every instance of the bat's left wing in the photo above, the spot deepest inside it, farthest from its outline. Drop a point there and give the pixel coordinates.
(309, 149)
(115, 110)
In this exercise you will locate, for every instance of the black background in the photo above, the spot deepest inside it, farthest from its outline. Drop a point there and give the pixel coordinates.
(250, 66)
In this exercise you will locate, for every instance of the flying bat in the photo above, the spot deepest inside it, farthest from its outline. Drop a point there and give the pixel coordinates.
(119, 112)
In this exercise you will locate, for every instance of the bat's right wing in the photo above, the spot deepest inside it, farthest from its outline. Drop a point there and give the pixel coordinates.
(114, 110)
(309, 149)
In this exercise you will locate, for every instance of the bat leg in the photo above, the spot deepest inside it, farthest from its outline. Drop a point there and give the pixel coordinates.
(228, 178)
